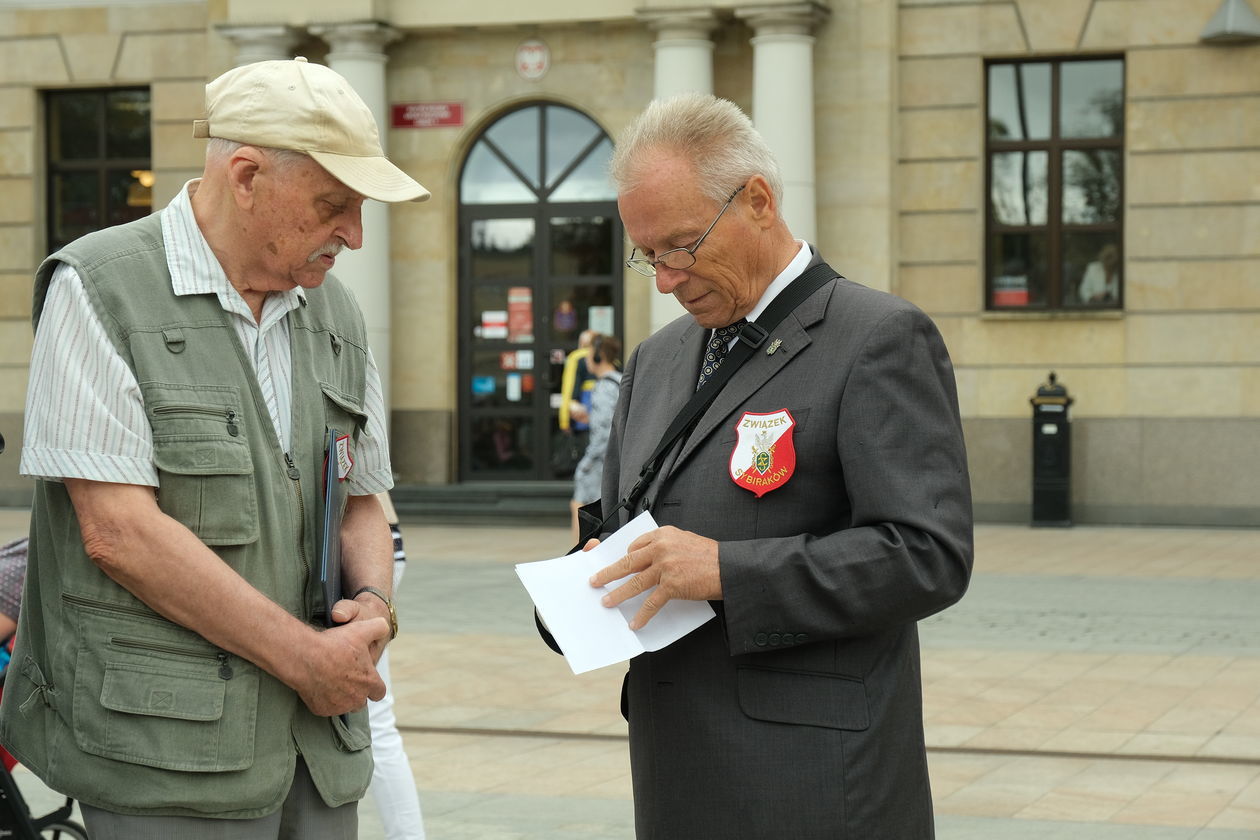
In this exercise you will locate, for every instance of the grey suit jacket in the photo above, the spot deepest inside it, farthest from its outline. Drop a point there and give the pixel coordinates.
(797, 713)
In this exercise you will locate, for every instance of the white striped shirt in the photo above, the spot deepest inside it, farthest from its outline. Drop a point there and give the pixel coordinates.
(84, 410)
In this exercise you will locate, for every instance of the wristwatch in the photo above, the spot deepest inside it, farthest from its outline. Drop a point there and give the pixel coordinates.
(389, 604)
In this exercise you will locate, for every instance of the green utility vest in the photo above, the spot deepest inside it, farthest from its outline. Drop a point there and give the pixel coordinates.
(107, 701)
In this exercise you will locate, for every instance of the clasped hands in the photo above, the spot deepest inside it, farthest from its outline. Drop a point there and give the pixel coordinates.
(341, 670)
(680, 564)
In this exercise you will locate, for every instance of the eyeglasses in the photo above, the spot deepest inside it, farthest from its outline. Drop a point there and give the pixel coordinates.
(678, 259)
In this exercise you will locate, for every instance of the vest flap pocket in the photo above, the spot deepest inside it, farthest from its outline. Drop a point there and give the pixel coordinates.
(152, 693)
(208, 485)
(342, 411)
(196, 455)
(144, 690)
(803, 698)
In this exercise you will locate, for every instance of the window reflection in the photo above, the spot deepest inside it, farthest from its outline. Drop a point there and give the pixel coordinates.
(589, 180)
(582, 307)
(1091, 186)
(1092, 268)
(76, 205)
(516, 136)
(502, 248)
(502, 378)
(1019, 101)
(1019, 188)
(1091, 99)
(127, 124)
(568, 134)
(581, 245)
(487, 180)
(75, 125)
(1018, 263)
(502, 444)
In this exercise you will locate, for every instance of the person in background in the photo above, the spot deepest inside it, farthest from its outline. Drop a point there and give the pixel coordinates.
(821, 505)
(603, 363)
(12, 573)
(576, 383)
(393, 784)
(1101, 281)
(186, 371)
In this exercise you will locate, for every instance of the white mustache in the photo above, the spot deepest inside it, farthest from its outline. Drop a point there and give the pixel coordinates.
(332, 250)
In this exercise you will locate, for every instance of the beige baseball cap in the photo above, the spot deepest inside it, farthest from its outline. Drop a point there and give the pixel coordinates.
(306, 108)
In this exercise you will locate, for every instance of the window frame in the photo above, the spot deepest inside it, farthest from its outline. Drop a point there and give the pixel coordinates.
(1055, 229)
(101, 165)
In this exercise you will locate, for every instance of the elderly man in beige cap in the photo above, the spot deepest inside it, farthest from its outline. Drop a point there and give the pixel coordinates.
(179, 669)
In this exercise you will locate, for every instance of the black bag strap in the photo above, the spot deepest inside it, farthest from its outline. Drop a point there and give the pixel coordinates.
(751, 337)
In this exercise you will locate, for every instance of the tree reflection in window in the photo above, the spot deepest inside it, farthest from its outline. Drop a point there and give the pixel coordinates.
(1054, 220)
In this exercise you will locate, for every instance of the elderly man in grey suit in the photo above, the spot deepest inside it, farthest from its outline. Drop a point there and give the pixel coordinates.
(821, 504)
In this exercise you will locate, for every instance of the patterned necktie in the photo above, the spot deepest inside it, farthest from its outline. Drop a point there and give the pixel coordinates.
(716, 350)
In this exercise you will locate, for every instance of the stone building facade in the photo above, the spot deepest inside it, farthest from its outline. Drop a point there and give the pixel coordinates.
(898, 157)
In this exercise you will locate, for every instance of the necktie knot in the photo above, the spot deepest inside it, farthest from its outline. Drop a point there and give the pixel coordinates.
(717, 348)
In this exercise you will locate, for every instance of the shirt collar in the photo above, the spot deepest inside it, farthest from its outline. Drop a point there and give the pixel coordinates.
(194, 268)
(794, 269)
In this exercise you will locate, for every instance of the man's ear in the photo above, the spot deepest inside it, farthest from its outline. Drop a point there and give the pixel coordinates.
(761, 200)
(243, 168)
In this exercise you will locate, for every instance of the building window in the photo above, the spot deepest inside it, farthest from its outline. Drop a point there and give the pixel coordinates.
(1055, 161)
(99, 170)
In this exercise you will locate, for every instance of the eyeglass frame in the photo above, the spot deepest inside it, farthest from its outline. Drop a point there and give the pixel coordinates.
(647, 267)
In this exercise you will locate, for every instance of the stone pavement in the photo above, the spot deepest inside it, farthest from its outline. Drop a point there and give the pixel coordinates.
(1095, 684)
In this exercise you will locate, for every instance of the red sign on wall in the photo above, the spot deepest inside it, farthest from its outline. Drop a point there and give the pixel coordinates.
(428, 114)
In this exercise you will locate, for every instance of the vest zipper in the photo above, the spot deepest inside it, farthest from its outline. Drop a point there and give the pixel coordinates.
(226, 413)
(106, 605)
(297, 480)
(225, 669)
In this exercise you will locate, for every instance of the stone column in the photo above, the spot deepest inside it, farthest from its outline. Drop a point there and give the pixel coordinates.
(261, 43)
(358, 53)
(684, 51)
(783, 100)
(684, 64)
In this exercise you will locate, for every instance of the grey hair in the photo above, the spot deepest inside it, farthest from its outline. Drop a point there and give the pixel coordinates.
(219, 149)
(713, 134)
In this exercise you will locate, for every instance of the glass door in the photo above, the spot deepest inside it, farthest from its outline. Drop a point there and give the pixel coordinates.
(540, 257)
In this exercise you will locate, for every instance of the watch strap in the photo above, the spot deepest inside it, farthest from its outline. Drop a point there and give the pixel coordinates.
(389, 603)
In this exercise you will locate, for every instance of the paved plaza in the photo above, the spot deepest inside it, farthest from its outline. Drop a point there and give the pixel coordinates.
(1095, 684)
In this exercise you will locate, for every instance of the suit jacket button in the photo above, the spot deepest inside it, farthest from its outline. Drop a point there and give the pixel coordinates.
(801, 638)
(760, 639)
(775, 638)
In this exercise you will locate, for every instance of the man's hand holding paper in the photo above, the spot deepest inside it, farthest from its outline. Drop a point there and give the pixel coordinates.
(592, 635)
(677, 564)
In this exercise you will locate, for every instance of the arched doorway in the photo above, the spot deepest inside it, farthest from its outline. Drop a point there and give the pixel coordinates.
(540, 261)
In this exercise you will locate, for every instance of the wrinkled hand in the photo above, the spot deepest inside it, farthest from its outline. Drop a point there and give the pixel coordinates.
(338, 672)
(678, 563)
(366, 607)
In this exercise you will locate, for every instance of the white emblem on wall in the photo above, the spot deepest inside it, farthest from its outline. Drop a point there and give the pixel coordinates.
(533, 59)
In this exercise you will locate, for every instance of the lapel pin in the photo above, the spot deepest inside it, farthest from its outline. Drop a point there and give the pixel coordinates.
(774, 345)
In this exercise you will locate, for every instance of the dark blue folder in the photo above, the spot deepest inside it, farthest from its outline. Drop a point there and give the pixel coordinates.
(330, 541)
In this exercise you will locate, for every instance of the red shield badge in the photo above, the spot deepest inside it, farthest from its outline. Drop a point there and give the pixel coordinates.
(764, 457)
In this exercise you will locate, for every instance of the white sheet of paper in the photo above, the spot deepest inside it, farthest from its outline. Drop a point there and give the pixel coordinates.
(590, 634)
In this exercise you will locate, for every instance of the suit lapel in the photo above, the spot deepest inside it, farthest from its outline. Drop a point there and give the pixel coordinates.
(793, 336)
(673, 383)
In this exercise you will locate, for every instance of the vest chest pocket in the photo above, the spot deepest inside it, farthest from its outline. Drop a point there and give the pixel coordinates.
(205, 470)
(345, 414)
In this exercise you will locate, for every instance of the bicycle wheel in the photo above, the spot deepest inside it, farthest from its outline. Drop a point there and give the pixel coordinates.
(64, 831)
